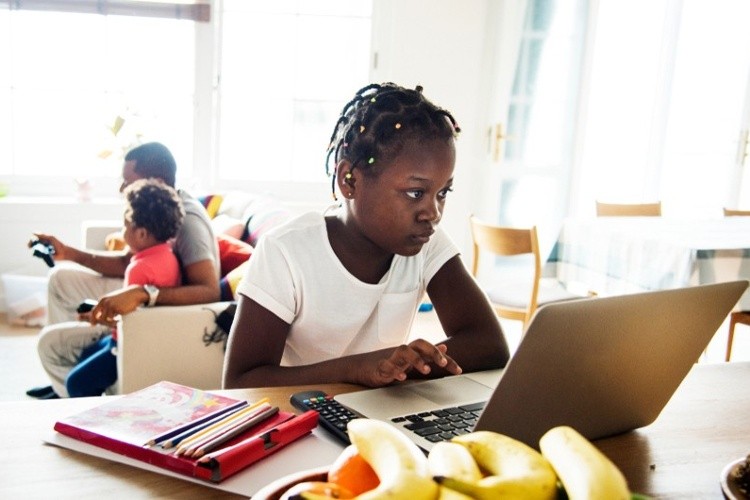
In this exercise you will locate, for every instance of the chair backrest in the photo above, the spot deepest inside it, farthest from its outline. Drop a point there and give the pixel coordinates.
(730, 212)
(506, 242)
(635, 209)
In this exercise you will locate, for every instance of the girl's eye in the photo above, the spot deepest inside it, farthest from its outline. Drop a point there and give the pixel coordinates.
(444, 192)
(415, 194)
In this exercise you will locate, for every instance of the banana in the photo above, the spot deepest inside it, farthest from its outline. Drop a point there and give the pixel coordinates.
(585, 472)
(400, 464)
(448, 459)
(516, 470)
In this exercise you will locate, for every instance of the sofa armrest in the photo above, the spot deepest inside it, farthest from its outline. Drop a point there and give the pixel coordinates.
(94, 232)
(167, 343)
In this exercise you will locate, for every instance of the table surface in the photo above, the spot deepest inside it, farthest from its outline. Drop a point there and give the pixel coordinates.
(615, 255)
(725, 233)
(703, 428)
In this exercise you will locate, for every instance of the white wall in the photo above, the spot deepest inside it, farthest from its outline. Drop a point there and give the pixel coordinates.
(61, 217)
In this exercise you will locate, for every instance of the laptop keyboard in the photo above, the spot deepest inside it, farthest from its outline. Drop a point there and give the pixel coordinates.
(443, 424)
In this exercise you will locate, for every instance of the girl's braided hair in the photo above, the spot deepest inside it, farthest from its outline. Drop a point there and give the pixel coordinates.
(376, 124)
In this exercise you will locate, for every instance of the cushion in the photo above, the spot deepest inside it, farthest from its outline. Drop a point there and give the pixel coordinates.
(232, 252)
(212, 203)
(260, 216)
(225, 224)
(231, 281)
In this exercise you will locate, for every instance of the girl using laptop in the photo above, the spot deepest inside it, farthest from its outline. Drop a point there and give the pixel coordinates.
(331, 297)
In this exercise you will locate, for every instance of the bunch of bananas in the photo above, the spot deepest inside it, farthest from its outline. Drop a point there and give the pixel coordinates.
(507, 468)
(483, 465)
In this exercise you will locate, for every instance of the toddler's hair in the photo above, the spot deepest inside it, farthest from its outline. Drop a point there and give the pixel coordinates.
(155, 207)
(374, 126)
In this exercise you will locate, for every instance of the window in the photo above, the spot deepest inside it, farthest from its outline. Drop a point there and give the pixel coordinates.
(538, 155)
(666, 107)
(251, 101)
(60, 99)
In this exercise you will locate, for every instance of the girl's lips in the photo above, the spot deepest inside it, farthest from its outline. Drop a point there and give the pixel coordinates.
(423, 238)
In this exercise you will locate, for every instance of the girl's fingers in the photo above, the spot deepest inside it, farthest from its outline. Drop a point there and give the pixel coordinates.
(418, 355)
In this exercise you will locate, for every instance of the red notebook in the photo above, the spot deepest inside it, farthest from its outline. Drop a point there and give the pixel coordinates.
(127, 423)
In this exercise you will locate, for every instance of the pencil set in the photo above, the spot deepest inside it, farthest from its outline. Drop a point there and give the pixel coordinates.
(187, 430)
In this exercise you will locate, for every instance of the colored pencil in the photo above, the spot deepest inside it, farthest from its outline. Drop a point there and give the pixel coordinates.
(188, 446)
(159, 438)
(233, 432)
(221, 425)
(175, 440)
(238, 445)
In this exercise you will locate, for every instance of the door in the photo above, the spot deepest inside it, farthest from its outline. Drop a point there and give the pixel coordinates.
(705, 157)
(535, 96)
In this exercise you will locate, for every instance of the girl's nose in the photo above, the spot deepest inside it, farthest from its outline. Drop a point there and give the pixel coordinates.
(432, 210)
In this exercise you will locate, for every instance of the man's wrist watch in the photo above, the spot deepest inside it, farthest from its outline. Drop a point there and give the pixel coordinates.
(153, 293)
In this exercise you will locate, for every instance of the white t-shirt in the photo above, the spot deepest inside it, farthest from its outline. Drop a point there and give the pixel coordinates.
(295, 274)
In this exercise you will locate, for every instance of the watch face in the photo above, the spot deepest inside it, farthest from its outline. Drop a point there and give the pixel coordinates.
(152, 292)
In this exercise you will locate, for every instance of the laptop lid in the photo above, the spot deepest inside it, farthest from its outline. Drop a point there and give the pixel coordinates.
(603, 366)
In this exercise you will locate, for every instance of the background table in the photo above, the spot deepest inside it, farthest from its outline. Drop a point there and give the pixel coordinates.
(615, 255)
(703, 428)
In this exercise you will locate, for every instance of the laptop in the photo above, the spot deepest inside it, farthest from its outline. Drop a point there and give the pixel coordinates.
(603, 366)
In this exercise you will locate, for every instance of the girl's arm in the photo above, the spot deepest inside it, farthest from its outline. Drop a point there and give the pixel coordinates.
(475, 338)
(256, 343)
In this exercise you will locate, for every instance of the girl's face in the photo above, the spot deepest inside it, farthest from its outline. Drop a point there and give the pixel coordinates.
(397, 209)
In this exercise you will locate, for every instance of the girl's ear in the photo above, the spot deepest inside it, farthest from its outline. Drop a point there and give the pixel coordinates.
(345, 178)
(141, 234)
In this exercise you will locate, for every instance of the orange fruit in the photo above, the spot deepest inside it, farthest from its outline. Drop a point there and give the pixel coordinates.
(352, 472)
(316, 489)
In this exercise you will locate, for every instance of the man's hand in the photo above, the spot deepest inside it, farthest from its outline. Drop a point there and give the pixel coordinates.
(418, 355)
(118, 302)
(62, 251)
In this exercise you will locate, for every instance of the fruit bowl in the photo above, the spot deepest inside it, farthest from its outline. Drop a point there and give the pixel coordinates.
(274, 490)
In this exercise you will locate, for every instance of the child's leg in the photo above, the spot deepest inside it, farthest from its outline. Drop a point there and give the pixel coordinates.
(60, 347)
(96, 371)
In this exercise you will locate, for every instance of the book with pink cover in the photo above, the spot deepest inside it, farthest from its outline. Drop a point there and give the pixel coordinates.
(126, 424)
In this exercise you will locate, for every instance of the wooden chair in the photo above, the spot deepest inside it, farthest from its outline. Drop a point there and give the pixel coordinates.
(736, 317)
(516, 300)
(637, 209)
(730, 212)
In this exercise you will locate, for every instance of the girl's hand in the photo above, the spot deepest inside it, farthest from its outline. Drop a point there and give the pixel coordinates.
(418, 355)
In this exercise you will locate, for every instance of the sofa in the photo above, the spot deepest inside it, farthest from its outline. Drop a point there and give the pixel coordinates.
(183, 344)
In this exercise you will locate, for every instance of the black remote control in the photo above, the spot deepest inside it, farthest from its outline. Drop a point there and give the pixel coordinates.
(86, 306)
(44, 251)
(331, 415)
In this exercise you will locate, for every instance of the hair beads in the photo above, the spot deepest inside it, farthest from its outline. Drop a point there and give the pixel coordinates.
(376, 124)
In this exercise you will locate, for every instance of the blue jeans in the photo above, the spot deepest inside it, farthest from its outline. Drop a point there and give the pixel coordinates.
(96, 369)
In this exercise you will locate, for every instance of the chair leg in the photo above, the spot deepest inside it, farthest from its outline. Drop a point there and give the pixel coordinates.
(732, 323)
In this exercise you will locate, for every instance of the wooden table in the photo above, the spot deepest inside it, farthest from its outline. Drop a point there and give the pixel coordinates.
(704, 427)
